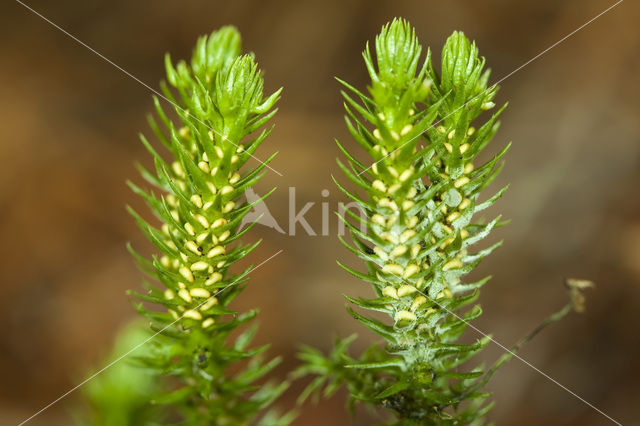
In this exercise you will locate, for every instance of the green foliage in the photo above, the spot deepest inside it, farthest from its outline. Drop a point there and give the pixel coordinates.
(198, 201)
(423, 133)
(120, 395)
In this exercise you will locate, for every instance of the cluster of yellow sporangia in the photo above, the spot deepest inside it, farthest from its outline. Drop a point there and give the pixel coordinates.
(402, 260)
(205, 240)
(454, 212)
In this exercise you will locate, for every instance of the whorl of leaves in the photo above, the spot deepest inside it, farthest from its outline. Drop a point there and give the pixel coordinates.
(419, 190)
(198, 201)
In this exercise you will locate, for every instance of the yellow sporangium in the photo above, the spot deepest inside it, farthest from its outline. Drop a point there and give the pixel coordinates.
(404, 316)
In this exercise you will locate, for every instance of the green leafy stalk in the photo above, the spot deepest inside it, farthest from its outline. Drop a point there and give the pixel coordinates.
(423, 132)
(198, 200)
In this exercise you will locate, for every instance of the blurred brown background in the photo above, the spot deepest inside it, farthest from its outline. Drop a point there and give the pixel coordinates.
(69, 125)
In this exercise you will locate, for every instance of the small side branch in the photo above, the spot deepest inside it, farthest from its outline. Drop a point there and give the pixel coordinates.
(576, 303)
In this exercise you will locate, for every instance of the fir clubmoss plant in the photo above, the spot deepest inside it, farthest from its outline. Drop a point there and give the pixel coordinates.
(420, 195)
(220, 110)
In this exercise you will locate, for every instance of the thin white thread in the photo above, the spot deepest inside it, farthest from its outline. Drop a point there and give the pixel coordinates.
(140, 81)
(112, 363)
(500, 81)
(517, 356)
